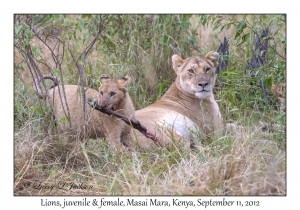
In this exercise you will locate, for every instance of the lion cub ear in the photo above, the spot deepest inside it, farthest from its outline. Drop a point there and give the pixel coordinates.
(177, 62)
(214, 57)
(103, 77)
(123, 82)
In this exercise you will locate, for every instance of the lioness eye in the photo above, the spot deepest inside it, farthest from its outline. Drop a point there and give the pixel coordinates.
(191, 71)
(207, 69)
(112, 93)
(101, 93)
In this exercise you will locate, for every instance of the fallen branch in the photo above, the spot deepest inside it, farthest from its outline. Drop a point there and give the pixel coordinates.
(132, 121)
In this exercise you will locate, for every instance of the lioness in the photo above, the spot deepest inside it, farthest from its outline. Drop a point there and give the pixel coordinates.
(188, 107)
(112, 95)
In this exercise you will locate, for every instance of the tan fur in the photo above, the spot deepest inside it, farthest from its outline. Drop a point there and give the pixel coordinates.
(280, 91)
(184, 107)
(111, 128)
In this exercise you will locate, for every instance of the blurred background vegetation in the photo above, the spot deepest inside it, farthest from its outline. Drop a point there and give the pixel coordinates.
(142, 45)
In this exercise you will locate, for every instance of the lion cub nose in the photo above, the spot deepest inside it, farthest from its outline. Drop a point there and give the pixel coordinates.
(203, 84)
(102, 106)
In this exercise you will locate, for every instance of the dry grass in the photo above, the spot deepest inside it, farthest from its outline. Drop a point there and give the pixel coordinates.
(245, 161)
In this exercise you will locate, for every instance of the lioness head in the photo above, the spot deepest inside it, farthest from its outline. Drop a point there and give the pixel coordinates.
(112, 92)
(196, 73)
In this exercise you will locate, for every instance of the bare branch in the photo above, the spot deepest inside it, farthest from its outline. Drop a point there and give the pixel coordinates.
(83, 57)
(273, 48)
(41, 19)
(58, 63)
(44, 63)
(130, 121)
(88, 48)
(44, 42)
(73, 57)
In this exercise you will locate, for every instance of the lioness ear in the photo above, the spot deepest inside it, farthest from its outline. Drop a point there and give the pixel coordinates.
(103, 77)
(214, 57)
(123, 83)
(177, 62)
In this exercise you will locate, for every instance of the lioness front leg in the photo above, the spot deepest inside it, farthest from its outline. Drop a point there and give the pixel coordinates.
(213, 109)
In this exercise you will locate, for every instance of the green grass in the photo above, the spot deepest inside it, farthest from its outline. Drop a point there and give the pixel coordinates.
(248, 159)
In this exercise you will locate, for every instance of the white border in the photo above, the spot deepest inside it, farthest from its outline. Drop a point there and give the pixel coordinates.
(8, 201)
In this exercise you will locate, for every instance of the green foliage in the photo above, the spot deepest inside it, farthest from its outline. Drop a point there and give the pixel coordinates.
(142, 45)
(234, 81)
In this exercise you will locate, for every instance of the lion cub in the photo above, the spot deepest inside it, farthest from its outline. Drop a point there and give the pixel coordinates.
(112, 94)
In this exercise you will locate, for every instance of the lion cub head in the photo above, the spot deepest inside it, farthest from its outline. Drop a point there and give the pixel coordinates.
(196, 74)
(112, 92)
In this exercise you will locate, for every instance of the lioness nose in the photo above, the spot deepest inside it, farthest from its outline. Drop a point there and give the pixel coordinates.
(202, 84)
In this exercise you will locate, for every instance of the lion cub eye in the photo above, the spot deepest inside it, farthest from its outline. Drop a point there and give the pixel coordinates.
(112, 94)
(191, 71)
(207, 70)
